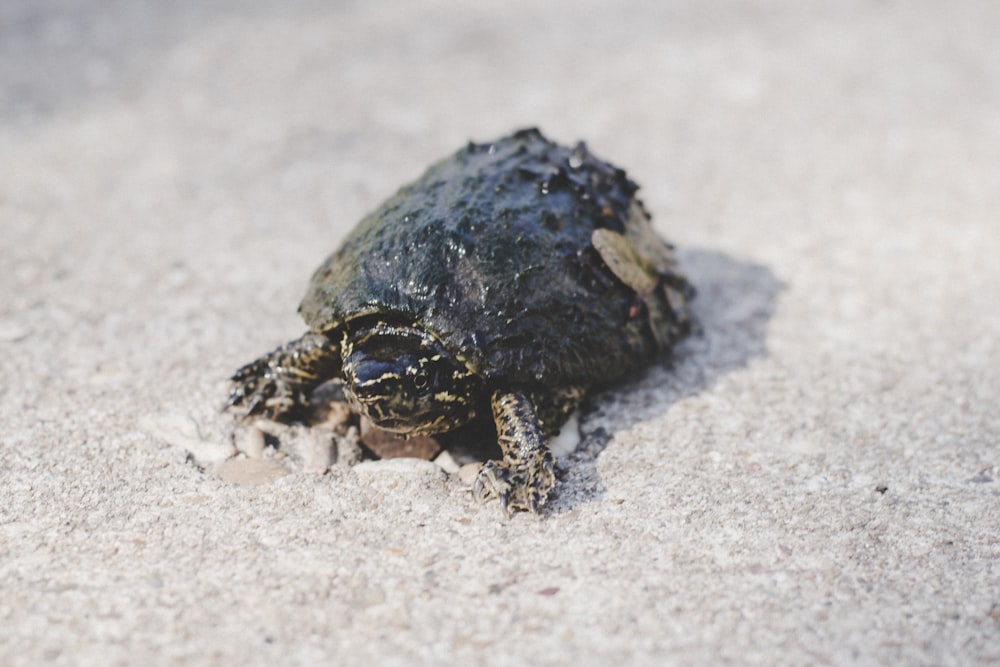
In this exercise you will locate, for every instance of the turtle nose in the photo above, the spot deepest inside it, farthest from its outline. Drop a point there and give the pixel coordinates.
(361, 401)
(371, 387)
(372, 372)
(362, 370)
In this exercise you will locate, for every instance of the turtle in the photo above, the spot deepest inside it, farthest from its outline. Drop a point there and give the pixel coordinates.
(502, 285)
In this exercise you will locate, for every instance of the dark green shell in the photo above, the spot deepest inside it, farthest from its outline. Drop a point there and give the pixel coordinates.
(491, 250)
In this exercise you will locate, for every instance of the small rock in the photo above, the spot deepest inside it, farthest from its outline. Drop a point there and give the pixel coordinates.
(447, 463)
(568, 439)
(250, 471)
(388, 445)
(319, 451)
(250, 441)
(468, 473)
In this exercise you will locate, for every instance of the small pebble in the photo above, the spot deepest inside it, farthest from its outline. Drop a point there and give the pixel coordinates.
(387, 445)
(468, 473)
(250, 441)
(250, 471)
(568, 439)
(447, 463)
(319, 451)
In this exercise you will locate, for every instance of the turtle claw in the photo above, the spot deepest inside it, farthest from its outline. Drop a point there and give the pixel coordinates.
(277, 386)
(256, 390)
(493, 481)
(521, 485)
(523, 479)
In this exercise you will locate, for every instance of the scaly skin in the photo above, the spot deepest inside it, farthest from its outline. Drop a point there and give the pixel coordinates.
(277, 386)
(523, 479)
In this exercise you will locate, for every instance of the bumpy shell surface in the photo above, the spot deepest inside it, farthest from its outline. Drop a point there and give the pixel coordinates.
(493, 251)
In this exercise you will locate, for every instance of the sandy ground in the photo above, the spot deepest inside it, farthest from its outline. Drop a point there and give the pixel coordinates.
(814, 479)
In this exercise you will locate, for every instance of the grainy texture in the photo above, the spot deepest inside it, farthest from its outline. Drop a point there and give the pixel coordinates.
(815, 480)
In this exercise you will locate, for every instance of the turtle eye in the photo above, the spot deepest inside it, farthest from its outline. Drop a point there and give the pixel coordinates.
(421, 380)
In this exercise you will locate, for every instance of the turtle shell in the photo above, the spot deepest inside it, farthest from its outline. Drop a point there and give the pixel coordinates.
(493, 251)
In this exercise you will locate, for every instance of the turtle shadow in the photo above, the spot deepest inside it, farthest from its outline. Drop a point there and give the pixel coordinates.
(734, 303)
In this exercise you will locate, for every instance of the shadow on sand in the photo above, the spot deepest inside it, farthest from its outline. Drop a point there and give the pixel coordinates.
(735, 301)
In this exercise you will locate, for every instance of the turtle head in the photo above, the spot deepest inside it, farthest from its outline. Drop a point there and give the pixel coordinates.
(404, 380)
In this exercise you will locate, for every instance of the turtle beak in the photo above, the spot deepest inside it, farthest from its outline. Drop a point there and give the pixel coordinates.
(372, 388)
(365, 379)
(369, 374)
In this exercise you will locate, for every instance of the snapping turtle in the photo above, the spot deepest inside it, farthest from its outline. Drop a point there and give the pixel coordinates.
(501, 285)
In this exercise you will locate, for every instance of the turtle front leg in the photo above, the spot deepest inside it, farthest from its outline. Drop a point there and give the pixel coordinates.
(277, 386)
(523, 479)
